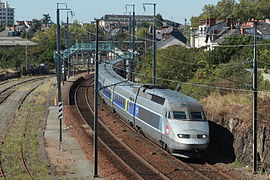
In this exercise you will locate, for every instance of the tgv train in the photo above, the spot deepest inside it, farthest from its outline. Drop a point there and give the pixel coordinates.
(172, 120)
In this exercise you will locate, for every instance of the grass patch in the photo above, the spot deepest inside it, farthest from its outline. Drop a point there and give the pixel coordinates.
(236, 164)
(28, 121)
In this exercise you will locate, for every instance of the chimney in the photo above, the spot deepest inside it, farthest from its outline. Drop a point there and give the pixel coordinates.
(211, 22)
(192, 38)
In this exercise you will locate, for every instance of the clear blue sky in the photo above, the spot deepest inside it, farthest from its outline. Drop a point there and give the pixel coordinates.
(87, 10)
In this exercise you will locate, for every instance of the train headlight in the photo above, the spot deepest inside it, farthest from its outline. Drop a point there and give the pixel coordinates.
(202, 136)
(186, 136)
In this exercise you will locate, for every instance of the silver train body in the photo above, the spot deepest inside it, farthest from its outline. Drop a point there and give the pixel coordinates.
(170, 119)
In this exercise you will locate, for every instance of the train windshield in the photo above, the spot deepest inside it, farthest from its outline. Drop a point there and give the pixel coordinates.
(196, 116)
(179, 115)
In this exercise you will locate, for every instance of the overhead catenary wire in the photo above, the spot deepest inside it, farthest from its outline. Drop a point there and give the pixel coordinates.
(217, 46)
(229, 46)
(263, 62)
(233, 65)
(238, 83)
(194, 84)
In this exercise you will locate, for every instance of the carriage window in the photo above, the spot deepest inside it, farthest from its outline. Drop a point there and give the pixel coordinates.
(179, 115)
(196, 115)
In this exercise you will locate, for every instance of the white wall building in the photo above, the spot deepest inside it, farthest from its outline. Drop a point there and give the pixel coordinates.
(6, 14)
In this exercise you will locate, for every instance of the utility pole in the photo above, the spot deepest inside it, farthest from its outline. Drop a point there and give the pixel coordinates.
(88, 62)
(154, 43)
(66, 64)
(126, 62)
(26, 53)
(59, 72)
(154, 47)
(255, 101)
(133, 44)
(255, 97)
(131, 59)
(96, 107)
(26, 49)
(59, 69)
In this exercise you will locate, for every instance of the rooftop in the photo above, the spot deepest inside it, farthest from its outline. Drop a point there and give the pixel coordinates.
(15, 41)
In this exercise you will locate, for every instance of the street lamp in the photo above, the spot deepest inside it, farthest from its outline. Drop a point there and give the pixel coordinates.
(59, 70)
(154, 42)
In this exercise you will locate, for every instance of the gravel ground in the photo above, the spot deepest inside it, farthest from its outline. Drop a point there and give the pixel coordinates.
(107, 164)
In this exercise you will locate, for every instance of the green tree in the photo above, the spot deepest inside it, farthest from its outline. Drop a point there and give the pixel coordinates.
(224, 9)
(36, 25)
(239, 10)
(159, 21)
(245, 10)
(175, 63)
(228, 49)
(143, 25)
(141, 32)
(46, 20)
(209, 11)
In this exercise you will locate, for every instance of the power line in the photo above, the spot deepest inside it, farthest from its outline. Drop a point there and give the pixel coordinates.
(263, 62)
(194, 84)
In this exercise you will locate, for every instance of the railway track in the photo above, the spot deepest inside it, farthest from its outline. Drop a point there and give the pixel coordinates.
(135, 164)
(5, 93)
(3, 136)
(3, 82)
(164, 164)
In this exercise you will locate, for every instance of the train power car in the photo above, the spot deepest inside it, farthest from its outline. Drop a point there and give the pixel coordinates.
(171, 119)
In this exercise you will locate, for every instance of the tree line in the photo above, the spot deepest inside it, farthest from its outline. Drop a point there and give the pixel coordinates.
(199, 72)
(43, 52)
(241, 10)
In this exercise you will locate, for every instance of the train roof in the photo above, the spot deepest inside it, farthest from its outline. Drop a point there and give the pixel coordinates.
(173, 97)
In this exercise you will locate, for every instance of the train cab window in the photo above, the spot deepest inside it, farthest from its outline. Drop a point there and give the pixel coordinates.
(179, 115)
(196, 115)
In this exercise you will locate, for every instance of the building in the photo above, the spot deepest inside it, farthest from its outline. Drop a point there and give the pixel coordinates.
(113, 21)
(6, 14)
(263, 29)
(169, 37)
(8, 42)
(210, 33)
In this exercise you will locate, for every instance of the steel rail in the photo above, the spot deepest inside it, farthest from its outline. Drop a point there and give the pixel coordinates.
(3, 136)
(126, 150)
